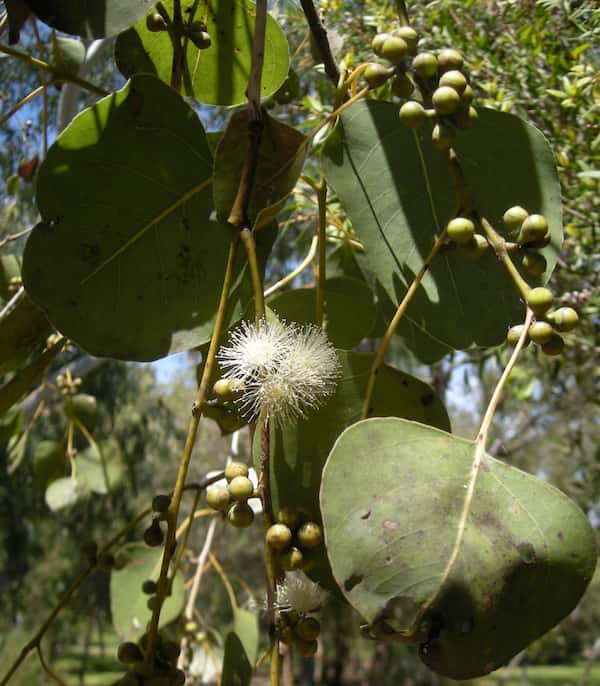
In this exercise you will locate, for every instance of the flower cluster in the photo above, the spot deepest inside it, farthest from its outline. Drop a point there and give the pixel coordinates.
(283, 369)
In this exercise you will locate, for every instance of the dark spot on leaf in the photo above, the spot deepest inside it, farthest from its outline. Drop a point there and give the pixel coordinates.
(352, 581)
(90, 252)
(366, 515)
(405, 382)
(560, 535)
(427, 399)
(527, 553)
(466, 627)
(388, 560)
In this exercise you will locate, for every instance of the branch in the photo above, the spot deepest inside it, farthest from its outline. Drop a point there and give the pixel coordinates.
(319, 33)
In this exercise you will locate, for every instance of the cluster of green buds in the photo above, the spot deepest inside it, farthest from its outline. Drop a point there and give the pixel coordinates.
(446, 94)
(396, 48)
(163, 671)
(531, 233)
(548, 324)
(194, 31)
(292, 537)
(461, 230)
(300, 631)
(232, 498)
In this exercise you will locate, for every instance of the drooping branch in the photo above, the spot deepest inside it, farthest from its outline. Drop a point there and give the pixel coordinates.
(319, 33)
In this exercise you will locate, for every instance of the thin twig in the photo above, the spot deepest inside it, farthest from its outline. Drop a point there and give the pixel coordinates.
(226, 583)
(50, 672)
(321, 233)
(288, 278)
(319, 33)
(40, 47)
(19, 234)
(387, 336)
(22, 102)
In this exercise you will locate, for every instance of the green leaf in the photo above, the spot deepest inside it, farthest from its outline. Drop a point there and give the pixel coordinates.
(344, 295)
(49, 462)
(219, 74)
(10, 271)
(245, 625)
(63, 493)
(299, 450)
(130, 613)
(237, 670)
(433, 540)
(398, 191)
(282, 153)
(125, 199)
(82, 408)
(90, 18)
(99, 472)
(23, 327)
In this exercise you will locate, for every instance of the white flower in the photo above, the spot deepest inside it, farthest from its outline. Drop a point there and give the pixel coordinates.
(299, 593)
(285, 369)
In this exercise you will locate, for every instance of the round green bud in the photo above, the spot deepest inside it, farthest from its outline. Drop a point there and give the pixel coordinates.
(514, 334)
(308, 629)
(289, 516)
(218, 497)
(454, 79)
(234, 469)
(177, 678)
(449, 60)
(445, 100)
(540, 332)
(442, 136)
(412, 114)
(153, 536)
(378, 41)
(129, 652)
(169, 650)
(286, 634)
(241, 488)
(425, 65)
(377, 74)
(292, 559)
(226, 390)
(409, 36)
(278, 536)
(149, 587)
(240, 515)
(394, 50)
(541, 243)
(534, 263)
(514, 217)
(460, 230)
(402, 86)
(306, 648)
(155, 22)
(564, 319)
(160, 503)
(534, 228)
(554, 346)
(152, 603)
(190, 627)
(540, 300)
(201, 39)
(466, 96)
(475, 249)
(309, 535)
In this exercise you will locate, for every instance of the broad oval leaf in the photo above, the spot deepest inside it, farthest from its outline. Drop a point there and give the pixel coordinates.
(282, 152)
(49, 462)
(349, 308)
(126, 261)
(398, 191)
(219, 74)
(128, 604)
(300, 448)
(90, 18)
(433, 540)
(237, 670)
(62, 493)
(99, 472)
(23, 328)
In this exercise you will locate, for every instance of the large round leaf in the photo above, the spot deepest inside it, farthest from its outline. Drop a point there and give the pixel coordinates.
(350, 311)
(128, 604)
(126, 260)
(90, 18)
(300, 448)
(399, 192)
(219, 74)
(433, 540)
